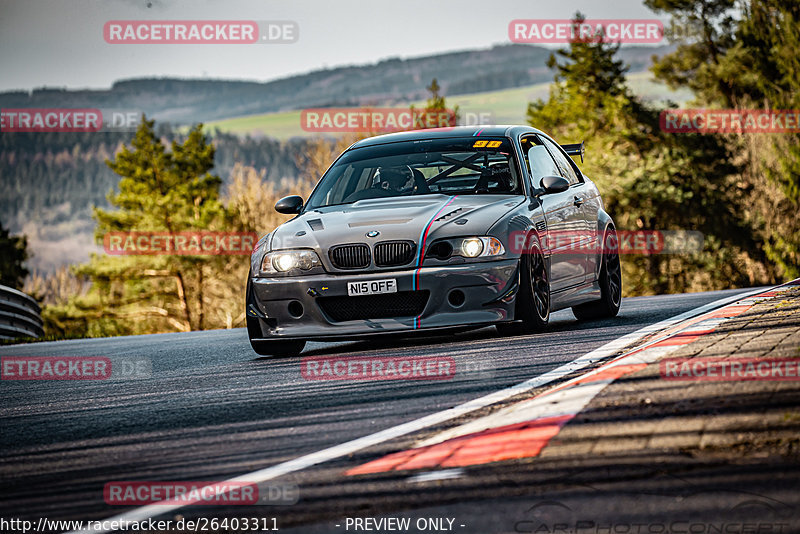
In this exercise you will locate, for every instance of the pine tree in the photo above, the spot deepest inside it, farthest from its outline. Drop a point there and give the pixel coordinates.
(704, 31)
(436, 104)
(744, 55)
(650, 180)
(159, 190)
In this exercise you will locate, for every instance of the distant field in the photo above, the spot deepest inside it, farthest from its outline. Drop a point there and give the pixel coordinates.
(504, 107)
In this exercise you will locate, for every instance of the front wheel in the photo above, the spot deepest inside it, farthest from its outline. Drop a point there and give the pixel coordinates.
(533, 299)
(610, 285)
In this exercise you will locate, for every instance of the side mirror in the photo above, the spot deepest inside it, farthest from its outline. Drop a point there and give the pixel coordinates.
(553, 184)
(289, 205)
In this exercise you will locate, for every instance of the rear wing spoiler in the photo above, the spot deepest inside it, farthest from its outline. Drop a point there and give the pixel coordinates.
(575, 149)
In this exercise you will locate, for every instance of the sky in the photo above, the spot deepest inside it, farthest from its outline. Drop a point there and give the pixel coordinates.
(59, 43)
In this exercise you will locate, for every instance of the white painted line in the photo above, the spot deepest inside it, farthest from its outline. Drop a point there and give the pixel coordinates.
(572, 399)
(568, 401)
(442, 474)
(337, 451)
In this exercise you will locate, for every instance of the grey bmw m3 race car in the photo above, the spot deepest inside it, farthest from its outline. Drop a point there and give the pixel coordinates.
(435, 229)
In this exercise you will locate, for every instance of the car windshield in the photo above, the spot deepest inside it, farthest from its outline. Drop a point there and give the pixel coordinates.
(431, 166)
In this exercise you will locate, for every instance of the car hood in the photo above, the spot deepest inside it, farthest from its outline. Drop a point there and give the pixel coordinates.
(394, 218)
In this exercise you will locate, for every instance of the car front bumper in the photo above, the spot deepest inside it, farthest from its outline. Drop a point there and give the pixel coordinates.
(296, 307)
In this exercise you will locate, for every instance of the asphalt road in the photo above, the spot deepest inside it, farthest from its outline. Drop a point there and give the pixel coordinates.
(213, 409)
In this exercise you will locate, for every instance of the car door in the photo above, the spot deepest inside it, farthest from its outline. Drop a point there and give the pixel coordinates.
(563, 218)
(583, 200)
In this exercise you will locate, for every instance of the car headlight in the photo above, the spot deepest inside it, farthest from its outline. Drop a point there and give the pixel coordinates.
(467, 247)
(472, 247)
(285, 261)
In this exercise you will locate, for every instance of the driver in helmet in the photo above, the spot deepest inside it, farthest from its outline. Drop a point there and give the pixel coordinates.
(391, 182)
(394, 179)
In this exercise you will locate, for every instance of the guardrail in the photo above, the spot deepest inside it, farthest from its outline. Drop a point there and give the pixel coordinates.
(20, 315)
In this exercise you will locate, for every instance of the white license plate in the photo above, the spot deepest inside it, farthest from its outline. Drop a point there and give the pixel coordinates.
(372, 287)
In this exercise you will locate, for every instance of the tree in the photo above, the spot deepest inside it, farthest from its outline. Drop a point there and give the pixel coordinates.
(744, 55)
(165, 189)
(436, 104)
(319, 153)
(650, 180)
(13, 255)
(704, 31)
(159, 190)
(435, 100)
(250, 198)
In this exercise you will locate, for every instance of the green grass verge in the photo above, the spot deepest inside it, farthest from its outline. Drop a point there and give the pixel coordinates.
(507, 106)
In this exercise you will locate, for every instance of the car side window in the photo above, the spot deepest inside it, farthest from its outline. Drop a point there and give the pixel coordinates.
(345, 184)
(567, 171)
(538, 160)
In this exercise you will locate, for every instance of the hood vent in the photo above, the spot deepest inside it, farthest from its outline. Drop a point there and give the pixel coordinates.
(448, 215)
(316, 224)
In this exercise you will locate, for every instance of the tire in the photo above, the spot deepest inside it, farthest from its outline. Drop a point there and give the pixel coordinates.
(279, 349)
(532, 310)
(610, 286)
